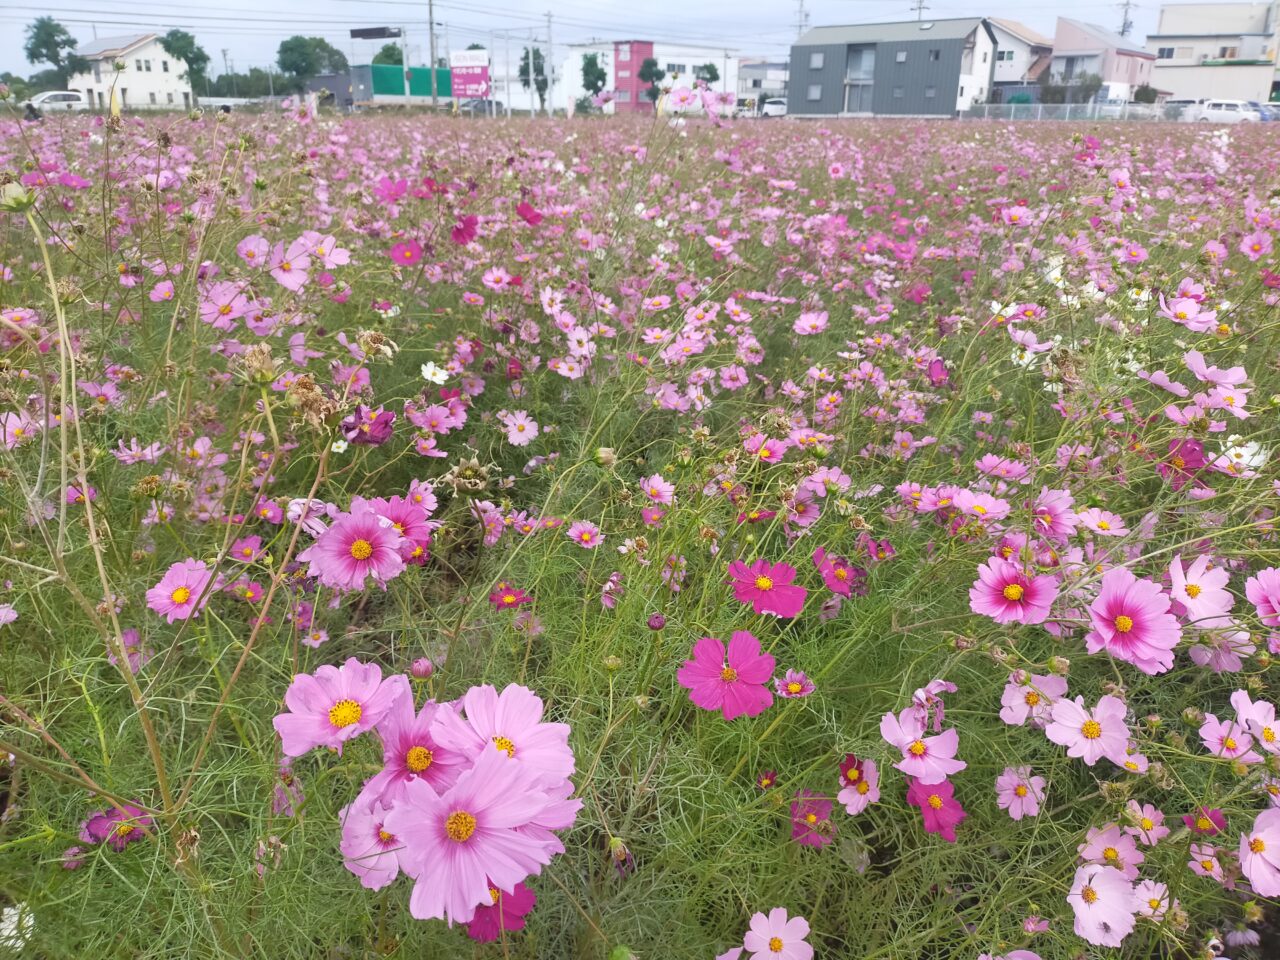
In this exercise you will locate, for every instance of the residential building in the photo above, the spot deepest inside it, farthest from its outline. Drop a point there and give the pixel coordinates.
(1223, 51)
(1022, 55)
(622, 61)
(762, 79)
(1086, 49)
(914, 68)
(150, 80)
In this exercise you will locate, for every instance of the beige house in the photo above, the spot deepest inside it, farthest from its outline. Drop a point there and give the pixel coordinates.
(1223, 51)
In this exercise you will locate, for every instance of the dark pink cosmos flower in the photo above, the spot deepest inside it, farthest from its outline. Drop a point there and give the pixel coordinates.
(1131, 621)
(358, 545)
(1007, 595)
(1185, 459)
(1205, 821)
(767, 587)
(526, 212)
(506, 912)
(507, 597)
(940, 809)
(735, 681)
(811, 824)
(369, 427)
(465, 230)
(118, 827)
(839, 575)
(410, 751)
(406, 252)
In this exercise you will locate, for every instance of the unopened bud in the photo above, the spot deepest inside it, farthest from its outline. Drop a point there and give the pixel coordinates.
(422, 668)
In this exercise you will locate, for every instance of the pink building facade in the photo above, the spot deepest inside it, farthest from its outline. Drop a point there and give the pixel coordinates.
(629, 89)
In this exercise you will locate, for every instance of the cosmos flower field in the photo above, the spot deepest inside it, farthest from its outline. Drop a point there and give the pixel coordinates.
(617, 538)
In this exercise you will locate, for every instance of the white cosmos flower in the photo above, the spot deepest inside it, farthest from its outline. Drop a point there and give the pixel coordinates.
(16, 926)
(433, 374)
(339, 446)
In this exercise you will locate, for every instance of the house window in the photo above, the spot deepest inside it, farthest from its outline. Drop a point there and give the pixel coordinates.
(962, 91)
(186, 99)
(97, 73)
(898, 93)
(622, 96)
(624, 74)
(164, 65)
(147, 65)
(815, 91)
(757, 84)
(153, 98)
(900, 57)
(1164, 53)
(816, 60)
(170, 96)
(984, 56)
(138, 64)
(1226, 53)
(624, 51)
(935, 56)
(1183, 53)
(930, 92)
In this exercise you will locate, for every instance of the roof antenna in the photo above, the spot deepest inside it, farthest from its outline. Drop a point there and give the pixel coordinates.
(919, 7)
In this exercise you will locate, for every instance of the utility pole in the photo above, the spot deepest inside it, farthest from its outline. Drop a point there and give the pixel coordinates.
(506, 76)
(1126, 22)
(234, 92)
(802, 19)
(550, 69)
(431, 33)
(404, 62)
(920, 7)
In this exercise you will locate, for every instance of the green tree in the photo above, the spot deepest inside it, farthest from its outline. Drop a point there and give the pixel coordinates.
(390, 54)
(50, 42)
(651, 74)
(475, 46)
(707, 72)
(18, 87)
(539, 75)
(306, 57)
(182, 46)
(594, 76)
(1145, 94)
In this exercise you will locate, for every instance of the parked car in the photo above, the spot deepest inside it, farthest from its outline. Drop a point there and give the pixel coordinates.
(481, 108)
(776, 107)
(57, 101)
(1228, 111)
(1185, 110)
(1267, 111)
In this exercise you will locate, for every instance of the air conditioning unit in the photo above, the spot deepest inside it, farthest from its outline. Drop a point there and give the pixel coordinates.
(1205, 58)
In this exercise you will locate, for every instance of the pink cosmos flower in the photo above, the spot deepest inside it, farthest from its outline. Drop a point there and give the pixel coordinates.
(659, 490)
(117, 827)
(1229, 739)
(1090, 734)
(1146, 823)
(810, 323)
(289, 266)
(775, 937)
(1260, 854)
(1259, 718)
(369, 850)
(1205, 822)
(1104, 905)
(840, 576)
(182, 591)
(1131, 622)
(509, 724)
(358, 545)
(861, 784)
(1102, 522)
(460, 842)
(521, 428)
(410, 750)
(939, 808)
(811, 824)
(505, 911)
(1152, 899)
(1019, 792)
(1007, 595)
(795, 685)
(927, 759)
(767, 587)
(1263, 591)
(406, 252)
(585, 534)
(335, 704)
(1109, 847)
(734, 682)
(1199, 591)
(1204, 861)
(1030, 697)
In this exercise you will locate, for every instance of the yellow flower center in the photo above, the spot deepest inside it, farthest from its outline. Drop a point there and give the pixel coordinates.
(1111, 853)
(1013, 591)
(728, 675)
(853, 775)
(935, 801)
(811, 818)
(1089, 895)
(508, 598)
(1032, 698)
(1178, 462)
(794, 687)
(1193, 590)
(863, 787)
(1153, 903)
(775, 944)
(418, 759)
(917, 748)
(1147, 823)
(1203, 823)
(1091, 729)
(1020, 790)
(841, 573)
(361, 549)
(505, 745)
(459, 826)
(344, 713)
(1230, 743)
(386, 837)
(1268, 735)
(181, 595)
(979, 509)
(124, 829)
(1104, 525)
(1256, 845)
(764, 583)
(1124, 624)
(1207, 865)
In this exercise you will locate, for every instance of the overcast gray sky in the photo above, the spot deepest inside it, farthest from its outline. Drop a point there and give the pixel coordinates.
(250, 33)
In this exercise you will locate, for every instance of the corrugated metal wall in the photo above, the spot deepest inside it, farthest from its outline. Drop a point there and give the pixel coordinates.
(829, 78)
(916, 76)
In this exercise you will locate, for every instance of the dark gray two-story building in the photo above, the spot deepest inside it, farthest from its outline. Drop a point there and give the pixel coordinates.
(916, 68)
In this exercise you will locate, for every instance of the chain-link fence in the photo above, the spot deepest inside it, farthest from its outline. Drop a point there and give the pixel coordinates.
(1074, 111)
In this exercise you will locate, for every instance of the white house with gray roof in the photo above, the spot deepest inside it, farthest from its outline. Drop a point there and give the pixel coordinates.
(150, 80)
(913, 68)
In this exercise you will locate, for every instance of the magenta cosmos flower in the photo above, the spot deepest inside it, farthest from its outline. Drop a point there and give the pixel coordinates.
(505, 911)
(1131, 621)
(1007, 595)
(794, 685)
(938, 805)
(410, 750)
(369, 850)
(1104, 903)
(1260, 854)
(734, 682)
(335, 704)
(117, 827)
(1019, 792)
(767, 587)
(811, 824)
(861, 784)
(1090, 734)
(357, 546)
(182, 591)
(927, 759)
(777, 938)
(839, 574)
(461, 842)
(510, 725)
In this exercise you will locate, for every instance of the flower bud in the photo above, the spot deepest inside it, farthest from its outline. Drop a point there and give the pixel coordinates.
(657, 621)
(1059, 665)
(612, 663)
(422, 668)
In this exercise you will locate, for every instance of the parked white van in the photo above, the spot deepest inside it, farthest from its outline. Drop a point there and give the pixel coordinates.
(58, 100)
(1228, 111)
